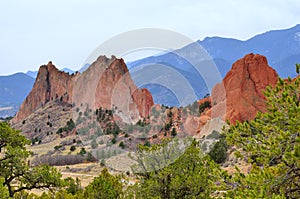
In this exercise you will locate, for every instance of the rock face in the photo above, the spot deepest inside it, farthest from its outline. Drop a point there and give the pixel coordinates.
(244, 85)
(106, 83)
(51, 84)
(115, 80)
(144, 101)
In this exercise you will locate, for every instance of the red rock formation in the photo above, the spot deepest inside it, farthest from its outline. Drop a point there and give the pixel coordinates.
(244, 85)
(144, 101)
(87, 82)
(115, 85)
(51, 84)
(106, 83)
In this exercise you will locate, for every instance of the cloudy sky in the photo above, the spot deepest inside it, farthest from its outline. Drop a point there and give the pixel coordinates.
(33, 32)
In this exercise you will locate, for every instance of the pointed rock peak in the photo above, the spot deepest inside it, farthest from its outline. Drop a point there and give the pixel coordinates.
(259, 60)
(50, 84)
(243, 86)
(118, 65)
(102, 58)
(112, 64)
(50, 65)
(48, 68)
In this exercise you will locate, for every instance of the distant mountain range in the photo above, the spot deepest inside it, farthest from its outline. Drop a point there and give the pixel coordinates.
(175, 78)
(14, 89)
(281, 47)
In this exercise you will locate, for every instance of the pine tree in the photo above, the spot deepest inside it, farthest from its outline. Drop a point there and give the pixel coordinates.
(15, 171)
(271, 143)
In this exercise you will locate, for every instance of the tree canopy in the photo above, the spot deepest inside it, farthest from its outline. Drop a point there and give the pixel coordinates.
(271, 143)
(104, 186)
(15, 171)
(190, 175)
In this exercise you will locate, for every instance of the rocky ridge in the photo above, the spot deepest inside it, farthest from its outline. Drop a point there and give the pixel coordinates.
(96, 87)
(107, 84)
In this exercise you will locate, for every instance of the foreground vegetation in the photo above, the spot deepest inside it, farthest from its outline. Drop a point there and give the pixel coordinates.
(177, 168)
(271, 143)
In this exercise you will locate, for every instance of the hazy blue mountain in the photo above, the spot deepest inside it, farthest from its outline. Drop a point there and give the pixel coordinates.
(14, 89)
(286, 67)
(180, 77)
(32, 74)
(281, 47)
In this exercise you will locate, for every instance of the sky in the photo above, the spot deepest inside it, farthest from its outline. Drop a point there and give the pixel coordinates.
(32, 32)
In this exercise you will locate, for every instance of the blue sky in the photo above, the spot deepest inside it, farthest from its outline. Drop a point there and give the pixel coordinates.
(67, 31)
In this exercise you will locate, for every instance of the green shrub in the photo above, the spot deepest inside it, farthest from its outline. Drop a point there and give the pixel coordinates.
(82, 151)
(113, 140)
(214, 135)
(173, 132)
(73, 148)
(122, 145)
(147, 143)
(57, 147)
(204, 105)
(219, 151)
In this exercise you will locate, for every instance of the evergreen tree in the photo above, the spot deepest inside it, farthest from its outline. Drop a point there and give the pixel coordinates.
(190, 175)
(271, 143)
(15, 169)
(104, 186)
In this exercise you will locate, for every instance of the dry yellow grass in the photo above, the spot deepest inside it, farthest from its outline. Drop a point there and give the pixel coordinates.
(43, 148)
(84, 171)
(120, 163)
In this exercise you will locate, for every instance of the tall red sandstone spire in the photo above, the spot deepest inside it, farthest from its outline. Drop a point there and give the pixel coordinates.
(244, 85)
